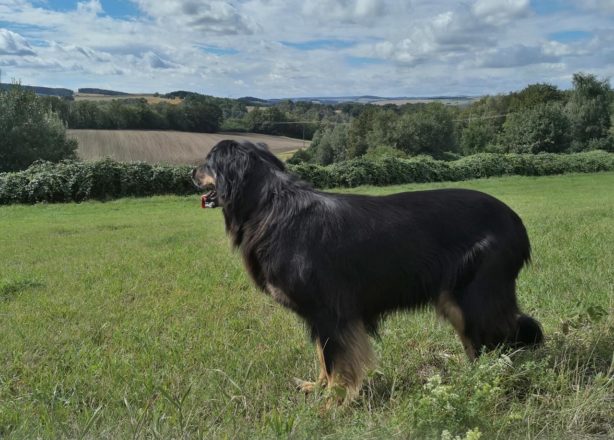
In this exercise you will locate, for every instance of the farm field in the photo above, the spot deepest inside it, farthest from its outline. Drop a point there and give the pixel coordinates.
(134, 319)
(151, 98)
(171, 147)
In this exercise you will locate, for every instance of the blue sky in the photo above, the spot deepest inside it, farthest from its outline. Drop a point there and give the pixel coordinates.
(113, 8)
(285, 48)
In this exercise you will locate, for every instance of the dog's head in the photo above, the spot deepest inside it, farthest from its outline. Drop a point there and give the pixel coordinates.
(232, 167)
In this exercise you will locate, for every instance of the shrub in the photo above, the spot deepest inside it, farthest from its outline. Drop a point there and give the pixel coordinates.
(103, 180)
(390, 170)
(542, 128)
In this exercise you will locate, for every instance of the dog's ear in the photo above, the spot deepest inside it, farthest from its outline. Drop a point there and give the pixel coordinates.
(231, 166)
(262, 150)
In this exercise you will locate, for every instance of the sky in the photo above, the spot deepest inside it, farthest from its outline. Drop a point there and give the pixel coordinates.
(294, 48)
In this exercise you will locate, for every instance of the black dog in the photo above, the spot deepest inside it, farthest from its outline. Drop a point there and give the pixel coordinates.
(342, 262)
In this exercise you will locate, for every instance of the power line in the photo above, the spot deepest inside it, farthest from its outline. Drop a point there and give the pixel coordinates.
(472, 118)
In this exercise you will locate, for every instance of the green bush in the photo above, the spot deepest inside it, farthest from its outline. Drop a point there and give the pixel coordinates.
(69, 181)
(29, 131)
(391, 170)
(72, 181)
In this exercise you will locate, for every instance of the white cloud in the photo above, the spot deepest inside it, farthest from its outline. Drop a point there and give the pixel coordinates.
(91, 7)
(606, 6)
(499, 12)
(516, 56)
(214, 17)
(12, 43)
(347, 11)
(233, 47)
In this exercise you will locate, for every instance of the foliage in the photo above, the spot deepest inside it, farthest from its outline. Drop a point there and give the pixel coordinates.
(29, 130)
(70, 181)
(589, 109)
(328, 145)
(538, 118)
(300, 156)
(479, 135)
(195, 113)
(106, 179)
(382, 151)
(430, 131)
(390, 170)
(535, 94)
(278, 120)
(541, 128)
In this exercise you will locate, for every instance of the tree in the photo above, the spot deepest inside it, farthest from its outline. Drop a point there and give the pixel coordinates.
(428, 131)
(542, 128)
(360, 127)
(478, 135)
(330, 145)
(382, 129)
(201, 115)
(589, 109)
(266, 120)
(30, 131)
(535, 94)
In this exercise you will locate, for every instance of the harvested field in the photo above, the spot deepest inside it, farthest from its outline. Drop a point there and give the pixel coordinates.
(171, 147)
(151, 99)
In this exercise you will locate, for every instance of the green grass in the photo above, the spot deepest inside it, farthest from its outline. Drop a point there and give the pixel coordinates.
(133, 319)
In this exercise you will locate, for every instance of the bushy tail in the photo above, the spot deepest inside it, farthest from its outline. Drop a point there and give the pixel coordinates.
(528, 332)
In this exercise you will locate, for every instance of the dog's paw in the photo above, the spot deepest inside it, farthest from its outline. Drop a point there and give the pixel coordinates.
(305, 386)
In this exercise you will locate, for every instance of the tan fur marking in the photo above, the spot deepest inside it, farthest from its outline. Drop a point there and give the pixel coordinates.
(307, 386)
(351, 365)
(279, 296)
(208, 180)
(323, 377)
(448, 308)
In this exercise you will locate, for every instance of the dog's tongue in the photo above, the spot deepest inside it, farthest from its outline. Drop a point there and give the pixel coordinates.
(209, 200)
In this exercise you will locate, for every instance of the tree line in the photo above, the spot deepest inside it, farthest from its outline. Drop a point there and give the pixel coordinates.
(195, 113)
(540, 118)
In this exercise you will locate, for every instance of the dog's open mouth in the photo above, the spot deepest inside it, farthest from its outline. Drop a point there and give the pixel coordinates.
(209, 199)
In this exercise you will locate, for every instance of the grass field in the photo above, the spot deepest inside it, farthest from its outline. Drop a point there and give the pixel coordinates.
(170, 147)
(133, 319)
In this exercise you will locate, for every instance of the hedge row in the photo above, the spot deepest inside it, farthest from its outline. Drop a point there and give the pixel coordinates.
(389, 170)
(70, 181)
(77, 181)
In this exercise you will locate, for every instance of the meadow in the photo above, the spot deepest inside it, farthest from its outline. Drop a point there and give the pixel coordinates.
(167, 147)
(134, 319)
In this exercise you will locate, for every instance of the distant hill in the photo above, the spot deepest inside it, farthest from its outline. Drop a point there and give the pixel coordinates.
(178, 95)
(43, 91)
(250, 100)
(380, 100)
(93, 91)
(182, 94)
(363, 99)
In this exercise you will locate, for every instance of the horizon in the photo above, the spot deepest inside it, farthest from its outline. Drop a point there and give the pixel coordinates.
(316, 48)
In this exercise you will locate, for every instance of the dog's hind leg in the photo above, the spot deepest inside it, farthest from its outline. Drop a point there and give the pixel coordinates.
(488, 304)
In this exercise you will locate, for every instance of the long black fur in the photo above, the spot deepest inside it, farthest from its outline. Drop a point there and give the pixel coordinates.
(342, 258)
